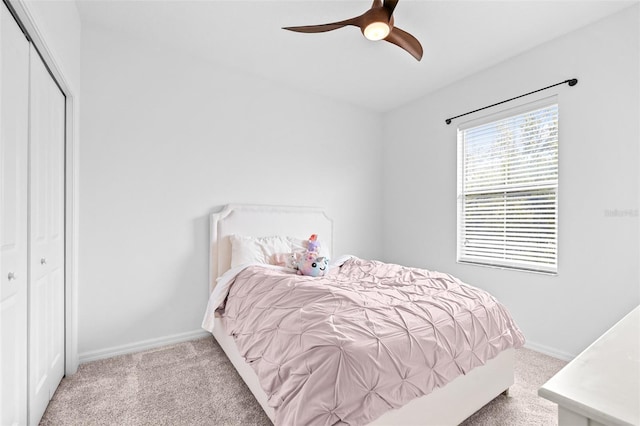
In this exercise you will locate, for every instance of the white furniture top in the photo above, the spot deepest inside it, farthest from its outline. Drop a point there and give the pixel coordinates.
(603, 382)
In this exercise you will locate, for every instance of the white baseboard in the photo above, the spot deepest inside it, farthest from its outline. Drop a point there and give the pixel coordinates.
(564, 356)
(142, 345)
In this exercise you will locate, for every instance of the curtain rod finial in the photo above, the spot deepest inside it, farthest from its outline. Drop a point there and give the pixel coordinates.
(448, 121)
(572, 82)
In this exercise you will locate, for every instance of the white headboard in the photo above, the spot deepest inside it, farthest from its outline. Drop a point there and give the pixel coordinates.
(262, 221)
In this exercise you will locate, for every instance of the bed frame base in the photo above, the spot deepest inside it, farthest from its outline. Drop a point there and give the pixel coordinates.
(468, 393)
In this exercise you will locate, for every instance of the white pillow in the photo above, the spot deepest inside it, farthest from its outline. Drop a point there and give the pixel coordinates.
(246, 249)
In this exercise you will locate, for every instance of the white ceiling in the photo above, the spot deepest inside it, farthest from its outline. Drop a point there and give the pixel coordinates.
(459, 38)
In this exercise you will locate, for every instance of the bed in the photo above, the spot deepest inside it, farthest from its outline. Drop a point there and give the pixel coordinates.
(446, 405)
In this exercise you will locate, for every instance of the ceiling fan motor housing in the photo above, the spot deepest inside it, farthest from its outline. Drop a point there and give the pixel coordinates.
(376, 14)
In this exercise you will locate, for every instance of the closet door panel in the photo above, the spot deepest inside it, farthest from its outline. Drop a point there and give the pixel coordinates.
(46, 258)
(55, 262)
(39, 285)
(14, 110)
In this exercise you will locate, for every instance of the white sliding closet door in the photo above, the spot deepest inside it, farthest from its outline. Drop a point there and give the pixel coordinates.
(46, 238)
(14, 121)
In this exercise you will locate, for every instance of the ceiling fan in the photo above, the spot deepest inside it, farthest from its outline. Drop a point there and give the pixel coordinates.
(376, 24)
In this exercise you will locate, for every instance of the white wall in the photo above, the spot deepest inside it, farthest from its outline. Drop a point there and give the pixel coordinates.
(598, 279)
(167, 139)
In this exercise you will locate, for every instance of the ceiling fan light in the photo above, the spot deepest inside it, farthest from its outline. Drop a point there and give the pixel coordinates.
(376, 30)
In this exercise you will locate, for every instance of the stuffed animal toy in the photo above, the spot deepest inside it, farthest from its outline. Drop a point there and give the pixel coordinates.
(313, 245)
(288, 260)
(311, 263)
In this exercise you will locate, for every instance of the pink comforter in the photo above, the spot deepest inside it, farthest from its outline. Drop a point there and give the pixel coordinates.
(366, 338)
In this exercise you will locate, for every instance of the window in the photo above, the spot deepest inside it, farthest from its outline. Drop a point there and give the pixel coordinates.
(508, 189)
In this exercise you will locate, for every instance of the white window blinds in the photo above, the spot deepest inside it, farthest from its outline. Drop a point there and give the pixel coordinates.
(508, 189)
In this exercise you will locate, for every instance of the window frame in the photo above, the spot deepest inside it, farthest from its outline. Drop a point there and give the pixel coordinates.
(490, 118)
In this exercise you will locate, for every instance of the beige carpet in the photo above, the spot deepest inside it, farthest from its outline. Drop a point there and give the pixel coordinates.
(193, 383)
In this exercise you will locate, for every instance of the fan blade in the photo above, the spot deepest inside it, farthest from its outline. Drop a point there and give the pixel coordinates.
(390, 5)
(324, 27)
(406, 41)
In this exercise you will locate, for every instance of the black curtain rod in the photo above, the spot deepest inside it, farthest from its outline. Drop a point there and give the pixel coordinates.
(570, 82)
